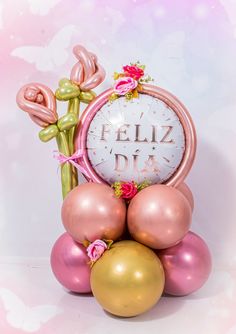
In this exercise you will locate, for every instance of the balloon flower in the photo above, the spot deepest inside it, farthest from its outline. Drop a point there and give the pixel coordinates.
(40, 103)
(128, 237)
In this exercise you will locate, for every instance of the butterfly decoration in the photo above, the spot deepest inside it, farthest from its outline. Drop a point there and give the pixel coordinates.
(46, 58)
(23, 317)
(39, 7)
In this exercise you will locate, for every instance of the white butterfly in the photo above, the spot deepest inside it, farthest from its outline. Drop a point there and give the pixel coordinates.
(230, 8)
(47, 57)
(42, 7)
(232, 330)
(115, 19)
(20, 316)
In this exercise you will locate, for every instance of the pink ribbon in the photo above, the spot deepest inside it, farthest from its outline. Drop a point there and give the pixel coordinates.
(63, 159)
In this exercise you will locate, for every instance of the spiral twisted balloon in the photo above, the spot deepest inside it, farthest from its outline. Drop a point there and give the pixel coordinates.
(39, 102)
(86, 73)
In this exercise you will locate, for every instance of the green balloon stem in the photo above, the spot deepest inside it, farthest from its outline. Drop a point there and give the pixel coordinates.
(73, 107)
(66, 173)
(65, 142)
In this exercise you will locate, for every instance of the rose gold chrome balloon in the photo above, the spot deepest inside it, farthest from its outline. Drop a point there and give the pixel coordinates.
(86, 73)
(39, 102)
(187, 265)
(184, 189)
(159, 216)
(91, 211)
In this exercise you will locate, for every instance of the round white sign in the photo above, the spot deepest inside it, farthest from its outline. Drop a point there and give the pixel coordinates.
(137, 140)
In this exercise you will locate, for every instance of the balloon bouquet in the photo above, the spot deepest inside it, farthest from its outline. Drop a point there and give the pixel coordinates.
(127, 229)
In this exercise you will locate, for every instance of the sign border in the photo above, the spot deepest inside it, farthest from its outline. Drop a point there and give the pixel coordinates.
(161, 94)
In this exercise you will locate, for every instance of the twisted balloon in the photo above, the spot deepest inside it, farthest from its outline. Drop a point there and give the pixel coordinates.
(86, 73)
(39, 102)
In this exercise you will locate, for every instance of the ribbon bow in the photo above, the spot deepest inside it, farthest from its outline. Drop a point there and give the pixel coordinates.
(73, 159)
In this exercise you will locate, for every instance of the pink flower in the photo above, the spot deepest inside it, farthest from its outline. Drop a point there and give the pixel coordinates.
(133, 71)
(96, 249)
(129, 190)
(124, 85)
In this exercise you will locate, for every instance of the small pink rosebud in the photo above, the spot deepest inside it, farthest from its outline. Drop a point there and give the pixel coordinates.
(96, 249)
(124, 85)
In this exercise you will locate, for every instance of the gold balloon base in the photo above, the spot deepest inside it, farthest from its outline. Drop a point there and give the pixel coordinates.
(128, 279)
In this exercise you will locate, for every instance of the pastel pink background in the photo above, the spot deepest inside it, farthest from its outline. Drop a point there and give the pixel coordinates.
(190, 49)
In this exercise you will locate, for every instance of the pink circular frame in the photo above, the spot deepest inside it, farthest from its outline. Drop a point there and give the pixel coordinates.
(167, 98)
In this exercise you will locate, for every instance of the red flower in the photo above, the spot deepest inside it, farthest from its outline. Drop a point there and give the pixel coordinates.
(133, 71)
(129, 190)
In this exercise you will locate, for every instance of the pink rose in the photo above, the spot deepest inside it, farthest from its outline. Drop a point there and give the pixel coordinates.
(124, 85)
(133, 71)
(129, 190)
(96, 249)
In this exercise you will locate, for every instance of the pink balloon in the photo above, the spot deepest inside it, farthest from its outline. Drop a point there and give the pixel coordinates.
(187, 265)
(86, 73)
(92, 211)
(159, 216)
(184, 189)
(70, 264)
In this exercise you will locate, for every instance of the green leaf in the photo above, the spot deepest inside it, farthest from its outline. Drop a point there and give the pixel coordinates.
(87, 97)
(67, 122)
(48, 133)
(67, 90)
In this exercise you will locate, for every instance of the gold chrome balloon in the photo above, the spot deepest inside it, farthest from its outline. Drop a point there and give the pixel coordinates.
(128, 279)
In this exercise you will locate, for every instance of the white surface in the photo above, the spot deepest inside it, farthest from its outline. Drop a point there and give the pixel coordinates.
(47, 308)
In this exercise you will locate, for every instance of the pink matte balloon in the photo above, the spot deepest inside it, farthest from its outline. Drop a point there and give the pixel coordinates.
(70, 264)
(92, 211)
(184, 189)
(187, 265)
(159, 216)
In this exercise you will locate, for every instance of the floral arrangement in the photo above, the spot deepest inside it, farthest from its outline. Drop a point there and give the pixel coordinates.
(129, 82)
